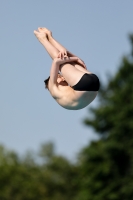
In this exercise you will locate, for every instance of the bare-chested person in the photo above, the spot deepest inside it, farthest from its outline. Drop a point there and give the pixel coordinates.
(69, 83)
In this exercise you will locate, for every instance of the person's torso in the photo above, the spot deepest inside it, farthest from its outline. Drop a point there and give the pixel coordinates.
(74, 100)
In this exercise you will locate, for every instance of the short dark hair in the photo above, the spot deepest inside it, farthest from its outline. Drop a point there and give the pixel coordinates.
(46, 82)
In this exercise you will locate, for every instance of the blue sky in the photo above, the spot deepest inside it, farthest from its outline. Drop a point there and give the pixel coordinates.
(96, 31)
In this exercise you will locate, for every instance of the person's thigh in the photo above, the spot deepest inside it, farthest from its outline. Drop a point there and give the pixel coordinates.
(71, 74)
(81, 68)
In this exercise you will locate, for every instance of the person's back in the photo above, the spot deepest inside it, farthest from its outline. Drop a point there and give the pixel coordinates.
(67, 97)
(75, 100)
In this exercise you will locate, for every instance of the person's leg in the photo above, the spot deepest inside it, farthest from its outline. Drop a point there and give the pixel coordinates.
(79, 67)
(58, 46)
(42, 37)
(69, 72)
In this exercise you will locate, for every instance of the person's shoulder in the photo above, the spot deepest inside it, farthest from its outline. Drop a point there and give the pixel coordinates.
(55, 92)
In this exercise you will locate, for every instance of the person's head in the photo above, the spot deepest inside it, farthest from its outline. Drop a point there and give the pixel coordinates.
(60, 79)
(46, 82)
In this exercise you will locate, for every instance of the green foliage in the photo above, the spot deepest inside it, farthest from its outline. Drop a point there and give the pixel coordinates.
(116, 105)
(107, 165)
(52, 178)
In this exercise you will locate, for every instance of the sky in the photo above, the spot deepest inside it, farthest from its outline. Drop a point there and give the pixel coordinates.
(96, 31)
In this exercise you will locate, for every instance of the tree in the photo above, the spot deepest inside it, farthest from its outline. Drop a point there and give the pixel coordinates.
(107, 165)
(54, 178)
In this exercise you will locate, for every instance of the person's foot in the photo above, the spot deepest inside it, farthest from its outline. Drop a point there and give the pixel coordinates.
(40, 36)
(45, 30)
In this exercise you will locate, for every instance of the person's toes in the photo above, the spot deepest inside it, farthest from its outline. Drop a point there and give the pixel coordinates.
(35, 32)
(41, 29)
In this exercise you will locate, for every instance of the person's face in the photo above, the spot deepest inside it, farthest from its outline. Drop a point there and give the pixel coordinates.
(60, 78)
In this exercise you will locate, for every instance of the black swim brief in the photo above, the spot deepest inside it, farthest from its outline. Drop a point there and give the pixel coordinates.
(88, 82)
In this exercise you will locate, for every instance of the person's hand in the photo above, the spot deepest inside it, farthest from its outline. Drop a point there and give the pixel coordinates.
(59, 60)
(81, 62)
(63, 53)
